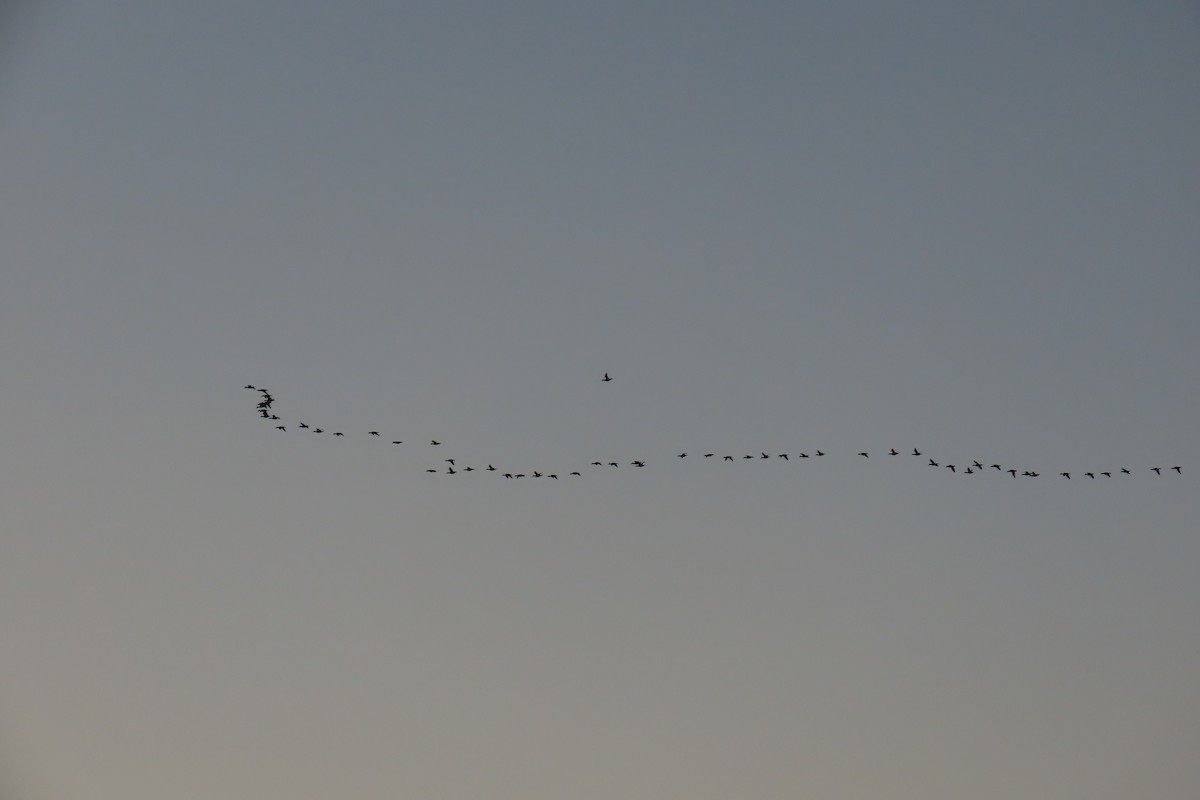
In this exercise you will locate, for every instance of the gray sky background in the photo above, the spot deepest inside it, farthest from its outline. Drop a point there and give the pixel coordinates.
(965, 227)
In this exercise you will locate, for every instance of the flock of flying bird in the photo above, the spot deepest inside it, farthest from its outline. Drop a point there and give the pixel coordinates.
(267, 400)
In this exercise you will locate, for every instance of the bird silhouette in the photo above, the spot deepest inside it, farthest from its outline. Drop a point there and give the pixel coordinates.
(997, 467)
(397, 442)
(1012, 472)
(1106, 474)
(434, 442)
(576, 473)
(606, 378)
(1178, 469)
(491, 468)
(302, 425)
(1091, 475)
(804, 455)
(951, 468)
(977, 465)
(537, 474)
(1156, 470)
(339, 433)
(916, 452)
(450, 461)
(933, 463)
(683, 455)
(1066, 475)
(864, 455)
(373, 433)
(1127, 472)
(612, 464)
(728, 458)
(893, 452)
(280, 428)
(248, 386)
(708, 455)
(820, 453)
(318, 430)
(783, 456)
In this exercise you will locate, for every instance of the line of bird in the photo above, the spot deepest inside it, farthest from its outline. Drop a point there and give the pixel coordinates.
(267, 401)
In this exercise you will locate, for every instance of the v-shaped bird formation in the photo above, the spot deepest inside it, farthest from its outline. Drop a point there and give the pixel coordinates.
(963, 467)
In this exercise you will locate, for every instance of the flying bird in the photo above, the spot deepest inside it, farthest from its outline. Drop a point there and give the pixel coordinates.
(864, 455)
(373, 433)
(893, 452)
(1066, 475)
(1012, 472)
(1156, 470)
(916, 452)
(606, 378)
(1178, 469)
(434, 442)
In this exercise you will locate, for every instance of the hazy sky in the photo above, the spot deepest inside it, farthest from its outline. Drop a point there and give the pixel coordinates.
(969, 228)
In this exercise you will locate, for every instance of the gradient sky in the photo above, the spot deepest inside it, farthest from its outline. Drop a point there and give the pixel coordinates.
(965, 227)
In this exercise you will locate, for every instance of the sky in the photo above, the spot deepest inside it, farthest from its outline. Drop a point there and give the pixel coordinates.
(968, 229)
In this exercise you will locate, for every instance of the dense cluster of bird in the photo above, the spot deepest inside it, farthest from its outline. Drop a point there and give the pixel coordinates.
(450, 466)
